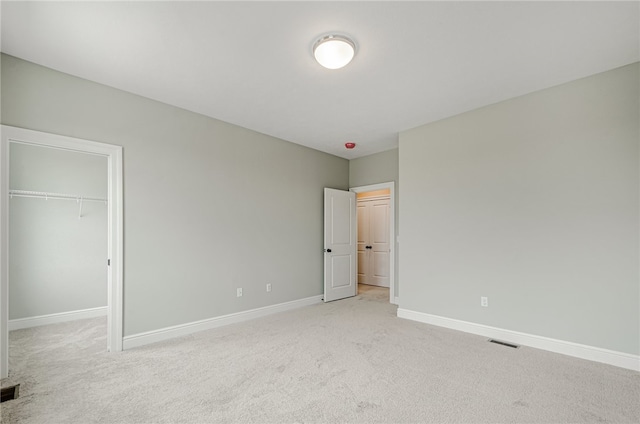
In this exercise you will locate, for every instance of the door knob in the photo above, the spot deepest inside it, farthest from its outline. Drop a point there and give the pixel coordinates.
(368, 247)
(327, 250)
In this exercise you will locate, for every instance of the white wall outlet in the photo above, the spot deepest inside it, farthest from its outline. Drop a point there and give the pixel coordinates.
(484, 301)
(239, 292)
(268, 287)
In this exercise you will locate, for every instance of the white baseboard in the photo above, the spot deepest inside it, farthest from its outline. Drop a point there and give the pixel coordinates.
(591, 353)
(141, 339)
(20, 323)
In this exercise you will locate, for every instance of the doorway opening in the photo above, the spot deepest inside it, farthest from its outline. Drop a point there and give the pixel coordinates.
(12, 137)
(376, 238)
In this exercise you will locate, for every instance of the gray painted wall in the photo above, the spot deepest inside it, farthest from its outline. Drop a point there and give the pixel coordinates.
(379, 168)
(532, 202)
(373, 169)
(208, 206)
(57, 262)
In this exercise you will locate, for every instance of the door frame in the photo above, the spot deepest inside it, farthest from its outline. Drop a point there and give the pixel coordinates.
(392, 230)
(114, 236)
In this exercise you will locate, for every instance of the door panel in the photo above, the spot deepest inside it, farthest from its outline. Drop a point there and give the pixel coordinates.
(340, 271)
(380, 268)
(339, 244)
(341, 220)
(380, 224)
(363, 230)
(363, 263)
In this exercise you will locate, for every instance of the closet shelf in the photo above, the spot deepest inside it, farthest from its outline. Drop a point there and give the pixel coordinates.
(58, 196)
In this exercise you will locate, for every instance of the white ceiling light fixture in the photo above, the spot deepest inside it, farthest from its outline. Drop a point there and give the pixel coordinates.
(334, 51)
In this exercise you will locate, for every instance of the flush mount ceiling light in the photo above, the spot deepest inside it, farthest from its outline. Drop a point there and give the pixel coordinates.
(334, 51)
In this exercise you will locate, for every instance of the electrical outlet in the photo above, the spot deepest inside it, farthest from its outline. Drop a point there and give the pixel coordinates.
(484, 301)
(268, 287)
(239, 292)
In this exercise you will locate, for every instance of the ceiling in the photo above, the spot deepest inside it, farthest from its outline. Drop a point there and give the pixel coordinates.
(250, 63)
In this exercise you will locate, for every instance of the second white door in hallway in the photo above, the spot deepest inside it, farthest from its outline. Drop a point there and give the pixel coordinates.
(373, 242)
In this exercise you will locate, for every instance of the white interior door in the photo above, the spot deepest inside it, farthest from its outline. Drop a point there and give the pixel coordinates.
(339, 244)
(379, 242)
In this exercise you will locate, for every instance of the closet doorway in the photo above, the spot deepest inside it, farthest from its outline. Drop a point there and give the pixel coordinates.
(373, 237)
(97, 272)
(375, 218)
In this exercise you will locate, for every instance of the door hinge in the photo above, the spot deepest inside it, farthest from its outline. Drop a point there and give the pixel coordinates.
(108, 262)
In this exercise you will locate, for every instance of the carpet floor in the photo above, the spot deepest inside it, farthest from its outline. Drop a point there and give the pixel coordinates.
(347, 361)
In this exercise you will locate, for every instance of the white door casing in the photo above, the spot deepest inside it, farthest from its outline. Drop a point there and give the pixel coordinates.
(115, 227)
(373, 241)
(339, 244)
(362, 216)
(4, 258)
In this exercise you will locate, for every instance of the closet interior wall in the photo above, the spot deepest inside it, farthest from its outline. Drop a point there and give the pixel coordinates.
(57, 232)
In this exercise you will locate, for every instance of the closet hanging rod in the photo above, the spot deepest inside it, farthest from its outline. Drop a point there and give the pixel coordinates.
(58, 196)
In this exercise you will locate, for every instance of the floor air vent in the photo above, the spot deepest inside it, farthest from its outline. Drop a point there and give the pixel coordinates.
(9, 393)
(504, 343)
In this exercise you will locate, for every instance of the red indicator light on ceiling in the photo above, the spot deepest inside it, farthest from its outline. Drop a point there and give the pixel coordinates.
(350, 145)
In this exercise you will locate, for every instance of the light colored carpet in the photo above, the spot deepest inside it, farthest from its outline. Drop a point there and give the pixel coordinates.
(346, 361)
